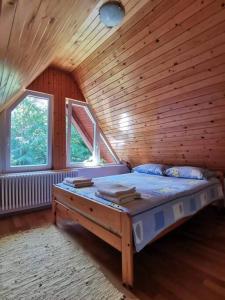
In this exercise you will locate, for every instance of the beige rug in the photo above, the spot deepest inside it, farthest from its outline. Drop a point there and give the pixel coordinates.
(43, 264)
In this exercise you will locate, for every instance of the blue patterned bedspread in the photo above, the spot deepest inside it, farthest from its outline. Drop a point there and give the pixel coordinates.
(166, 200)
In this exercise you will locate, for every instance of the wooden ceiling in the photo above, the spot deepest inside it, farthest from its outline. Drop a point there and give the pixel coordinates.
(158, 84)
(36, 33)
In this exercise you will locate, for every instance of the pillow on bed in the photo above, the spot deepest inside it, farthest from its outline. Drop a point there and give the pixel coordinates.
(154, 169)
(189, 172)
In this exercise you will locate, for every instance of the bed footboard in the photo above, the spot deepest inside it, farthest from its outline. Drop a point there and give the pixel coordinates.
(110, 224)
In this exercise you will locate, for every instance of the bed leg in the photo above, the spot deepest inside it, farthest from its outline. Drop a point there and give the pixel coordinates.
(127, 251)
(54, 211)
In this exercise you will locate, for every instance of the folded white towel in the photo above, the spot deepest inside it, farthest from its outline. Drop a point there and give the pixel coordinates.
(79, 184)
(115, 189)
(73, 180)
(120, 197)
(119, 200)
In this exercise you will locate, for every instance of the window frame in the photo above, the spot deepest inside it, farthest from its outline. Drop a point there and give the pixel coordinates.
(96, 138)
(7, 121)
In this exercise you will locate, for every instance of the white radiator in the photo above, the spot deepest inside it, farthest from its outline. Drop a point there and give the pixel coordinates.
(28, 190)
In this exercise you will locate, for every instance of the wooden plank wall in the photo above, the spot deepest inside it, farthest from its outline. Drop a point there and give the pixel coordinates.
(158, 85)
(60, 84)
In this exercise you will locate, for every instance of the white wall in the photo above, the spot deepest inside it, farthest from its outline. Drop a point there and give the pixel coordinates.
(103, 171)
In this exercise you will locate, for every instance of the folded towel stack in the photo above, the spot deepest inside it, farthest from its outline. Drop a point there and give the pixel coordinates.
(117, 193)
(78, 182)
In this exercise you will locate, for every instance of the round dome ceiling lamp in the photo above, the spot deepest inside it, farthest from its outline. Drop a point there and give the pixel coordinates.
(111, 13)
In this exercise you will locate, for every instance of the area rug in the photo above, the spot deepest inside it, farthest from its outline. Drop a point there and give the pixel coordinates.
(44, 263)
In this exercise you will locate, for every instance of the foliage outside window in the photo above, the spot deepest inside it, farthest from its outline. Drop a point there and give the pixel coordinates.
(79, 152)
(29, 133)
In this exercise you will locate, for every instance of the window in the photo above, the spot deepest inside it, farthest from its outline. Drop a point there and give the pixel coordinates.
(86, 144)
(79, 151)
(105, 152)
(29, 133)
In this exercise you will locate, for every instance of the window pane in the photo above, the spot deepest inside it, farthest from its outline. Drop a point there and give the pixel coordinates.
(79, 152)
(29, 132)
(82, 134)
(87, 144)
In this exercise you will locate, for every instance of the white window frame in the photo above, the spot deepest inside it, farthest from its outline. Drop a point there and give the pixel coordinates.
(7, 135)
(96, 138)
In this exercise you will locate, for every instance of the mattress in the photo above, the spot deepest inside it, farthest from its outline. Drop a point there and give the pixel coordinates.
(166, 200)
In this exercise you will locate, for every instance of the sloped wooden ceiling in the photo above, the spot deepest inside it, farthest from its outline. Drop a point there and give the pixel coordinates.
(34, 33)
(157, 85)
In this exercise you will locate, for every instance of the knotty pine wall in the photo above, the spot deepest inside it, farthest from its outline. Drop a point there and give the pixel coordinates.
(61, 85)
(157, 85)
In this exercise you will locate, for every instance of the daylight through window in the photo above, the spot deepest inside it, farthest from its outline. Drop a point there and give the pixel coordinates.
(29, 136)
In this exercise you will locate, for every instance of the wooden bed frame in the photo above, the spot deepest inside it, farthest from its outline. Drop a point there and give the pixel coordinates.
(110, 224)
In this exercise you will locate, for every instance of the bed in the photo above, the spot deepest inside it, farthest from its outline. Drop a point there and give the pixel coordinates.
(166, 203)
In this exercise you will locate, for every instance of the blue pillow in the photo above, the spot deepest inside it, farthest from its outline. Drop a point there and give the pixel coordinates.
(154, 169)
(189, 172)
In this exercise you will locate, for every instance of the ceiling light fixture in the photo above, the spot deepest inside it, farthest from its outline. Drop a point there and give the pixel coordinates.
(111, 13)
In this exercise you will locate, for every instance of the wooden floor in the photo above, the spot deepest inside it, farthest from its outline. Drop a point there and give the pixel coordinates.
(186, 264)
